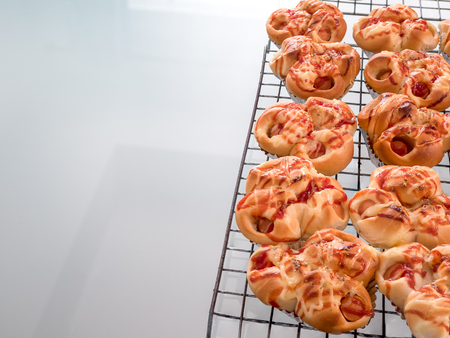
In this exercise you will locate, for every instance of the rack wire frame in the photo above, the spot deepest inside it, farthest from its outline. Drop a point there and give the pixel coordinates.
(235, 311)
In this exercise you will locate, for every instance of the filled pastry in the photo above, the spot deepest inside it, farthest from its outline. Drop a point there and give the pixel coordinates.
(393, 29)
(323, 22)
(315, 69)
(425, 78)
(402, 205)
(416, 280)
(400, 133)
(427, 310)
(320, 130)
(325, 283)
(288, 200)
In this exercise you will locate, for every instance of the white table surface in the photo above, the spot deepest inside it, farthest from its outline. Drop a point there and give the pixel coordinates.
(122, 124)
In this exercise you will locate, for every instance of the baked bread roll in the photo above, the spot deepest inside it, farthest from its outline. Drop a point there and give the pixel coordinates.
(332, 303)
(329, 150)
(309, 68)
(288, 200)
(439, 261)
(320, 130)
(416, 281)
(432, 223)
(282, 125)
(280, 173)
(318, 20)
(400, 133)
(322, 295)
(402, 205)
(427, 310)
(425, 78)
(343, 253)
(380, 218)
(272, 275)
(444, 44)
(401, 271)
(393, 29)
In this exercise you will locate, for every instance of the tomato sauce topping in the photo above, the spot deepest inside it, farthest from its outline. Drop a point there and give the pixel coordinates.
(261, 261)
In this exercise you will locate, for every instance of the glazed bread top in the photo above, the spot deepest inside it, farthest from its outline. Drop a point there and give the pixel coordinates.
(318, 20)
(316, 69)
(404, 269)
(402, 205)
(323, 282)
(401, 133)
(394, 28)
(427, 310)
(320, 130)
(288, 200)
(425, 78)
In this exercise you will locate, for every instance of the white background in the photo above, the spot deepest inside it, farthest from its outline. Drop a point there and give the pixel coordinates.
(122, 124)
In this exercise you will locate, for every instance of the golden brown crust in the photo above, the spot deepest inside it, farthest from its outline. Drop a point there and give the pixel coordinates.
(427, 310)
(330, 114)
(318, 20)
(394, 28)
(316, 69)
(272, 276)
(419, 35)
(286, 202)
(326, 208)
(328, 301)
(330, 296)
(412, 186)
(344, 253)
(423, 143)
(432, 224)
(416, 281)
(402, 134)
(320, 130)
(285, 23)
(380, 219)
(402, 270)
(444, 28)
(279, 173)
(395, 13)
(439, 261)
(330, 151)
(425, 78)
(402, 205)
(281, 126)
(385, 111)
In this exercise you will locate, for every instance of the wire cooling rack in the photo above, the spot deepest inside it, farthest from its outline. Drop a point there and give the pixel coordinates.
(235, 311)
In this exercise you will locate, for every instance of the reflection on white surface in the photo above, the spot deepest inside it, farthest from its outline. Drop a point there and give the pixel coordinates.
(121, 133)
(235, 8)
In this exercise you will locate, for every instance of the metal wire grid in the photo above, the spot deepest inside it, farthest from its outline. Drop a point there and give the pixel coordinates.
(235, 311)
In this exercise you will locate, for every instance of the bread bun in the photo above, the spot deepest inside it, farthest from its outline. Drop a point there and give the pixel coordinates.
(425, 78)
(318, 20)
(330, 295)
(402, 205)
(309, 68)
(416, 281)
(320, 130)
(427, 310)
(399, 133)
(280, 173)
(401, 271)
(393, 29)
(288, 200)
